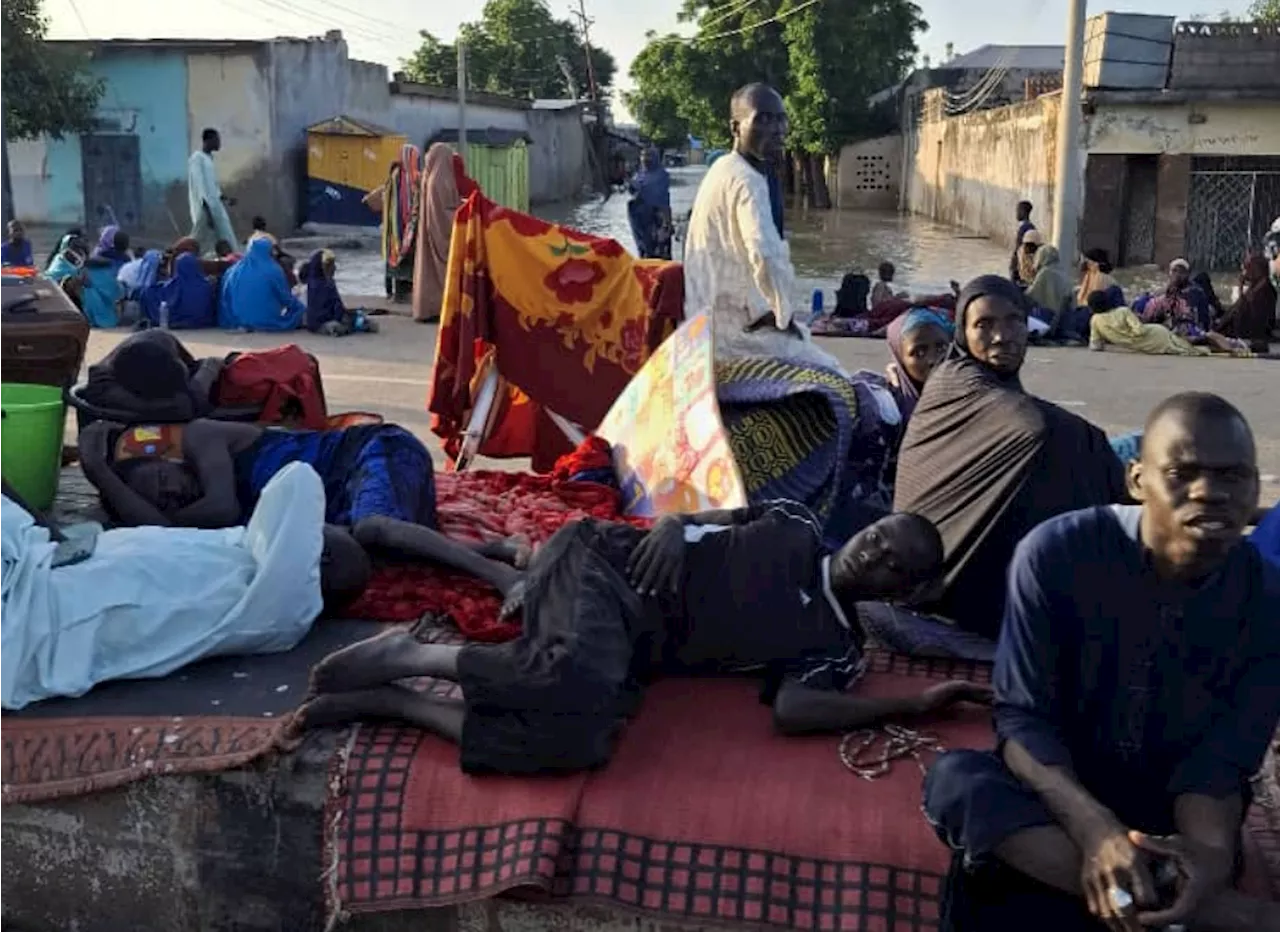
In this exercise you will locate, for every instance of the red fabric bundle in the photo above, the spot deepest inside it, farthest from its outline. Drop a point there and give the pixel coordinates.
(592, 453)
(477, 506)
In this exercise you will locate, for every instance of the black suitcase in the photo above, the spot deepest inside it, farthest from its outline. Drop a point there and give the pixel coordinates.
(42, 334)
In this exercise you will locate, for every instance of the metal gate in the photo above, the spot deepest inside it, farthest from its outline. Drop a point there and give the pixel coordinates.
(112, 180)
(1232, 203)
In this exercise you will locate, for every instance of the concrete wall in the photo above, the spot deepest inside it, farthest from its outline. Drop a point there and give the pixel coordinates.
(29, 174)
(869, 174)
(422, 114)
(261, 96)
(313, 80)
(232, 94)
(558, 156)
(970, 171)
(1192, 128)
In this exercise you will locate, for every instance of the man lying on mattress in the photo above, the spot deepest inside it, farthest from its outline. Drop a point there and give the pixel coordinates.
(1137, 686)
(605, 605)
(142, 602)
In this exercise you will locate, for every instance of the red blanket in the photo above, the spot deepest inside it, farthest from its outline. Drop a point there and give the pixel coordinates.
(477, 506)
(705, 814)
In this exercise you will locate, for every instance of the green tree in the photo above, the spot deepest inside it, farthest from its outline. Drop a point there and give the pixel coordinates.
(1264, 11)
(45, 89)
(516, 48)
(825, 58)
(657, 69)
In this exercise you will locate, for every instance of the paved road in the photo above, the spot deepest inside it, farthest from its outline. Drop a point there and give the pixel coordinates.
(388, 373)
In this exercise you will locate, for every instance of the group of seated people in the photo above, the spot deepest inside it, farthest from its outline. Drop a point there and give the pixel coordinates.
(179, 289)
(1104, 732)
(1136, 684)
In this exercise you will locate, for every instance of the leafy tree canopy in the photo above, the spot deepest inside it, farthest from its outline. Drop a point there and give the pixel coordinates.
(1264, 11)
(826, 58)
(516, 48)
(45, 89)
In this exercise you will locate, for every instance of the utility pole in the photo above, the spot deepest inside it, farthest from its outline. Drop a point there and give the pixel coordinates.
(584, 24)
(597, 135)
(1067, 181)
(462, 99)
(7, 206)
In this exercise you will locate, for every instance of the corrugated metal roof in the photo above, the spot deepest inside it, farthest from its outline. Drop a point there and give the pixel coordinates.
(1029, 57)
(343, 125)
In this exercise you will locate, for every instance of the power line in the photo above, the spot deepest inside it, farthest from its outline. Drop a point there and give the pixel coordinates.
(768, 22)
(720, 14)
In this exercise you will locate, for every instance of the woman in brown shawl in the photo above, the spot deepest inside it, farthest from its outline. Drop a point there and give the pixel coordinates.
(1253, 316)
(440, 198)
(986, 462)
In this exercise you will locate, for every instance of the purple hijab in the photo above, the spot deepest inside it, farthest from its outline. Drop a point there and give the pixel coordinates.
(904, 389)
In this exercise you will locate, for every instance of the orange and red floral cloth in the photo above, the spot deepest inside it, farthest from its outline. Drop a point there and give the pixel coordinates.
(568, 317)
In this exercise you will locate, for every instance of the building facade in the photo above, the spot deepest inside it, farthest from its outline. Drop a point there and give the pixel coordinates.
(261, 96)
(1190, 168)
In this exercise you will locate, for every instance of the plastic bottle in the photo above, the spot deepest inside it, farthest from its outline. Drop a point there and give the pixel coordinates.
(817, 302)
(164, 315)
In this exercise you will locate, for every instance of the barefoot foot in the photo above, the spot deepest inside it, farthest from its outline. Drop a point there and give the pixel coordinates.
(384, 658)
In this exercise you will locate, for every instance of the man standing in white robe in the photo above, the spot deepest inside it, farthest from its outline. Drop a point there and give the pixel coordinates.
(209, 219)
(737, 266)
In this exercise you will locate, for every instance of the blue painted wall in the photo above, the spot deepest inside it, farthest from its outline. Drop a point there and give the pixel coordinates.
(146, 96)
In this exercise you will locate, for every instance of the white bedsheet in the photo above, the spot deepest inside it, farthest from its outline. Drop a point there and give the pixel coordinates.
(151, 599)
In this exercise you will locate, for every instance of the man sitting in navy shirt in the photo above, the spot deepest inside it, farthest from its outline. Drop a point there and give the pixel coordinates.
(1137, 685)
(607, 604)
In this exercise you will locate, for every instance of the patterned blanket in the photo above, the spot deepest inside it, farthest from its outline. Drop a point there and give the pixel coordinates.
(569, 317)
(806, 434)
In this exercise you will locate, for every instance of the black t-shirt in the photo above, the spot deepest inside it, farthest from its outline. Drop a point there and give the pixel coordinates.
(756, 595)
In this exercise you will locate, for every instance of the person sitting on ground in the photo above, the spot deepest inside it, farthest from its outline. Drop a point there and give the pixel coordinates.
(1202, 281)
(188, 295)
(883, 290)
(325, 311)
(1182, 307)
(607, 604)
(151, 377)
(16, 250)
(1137, 685)
(1032, 240)
(985, 461)
(851, 296)
(68, 259)
(1252, 316)
(1025, 227)
(76, 234)
(1095, 275)
(210, 473)
(1050, 294)
(82, 609)
(737, 267)
(113, 246)
(918, 342)
(255, 294)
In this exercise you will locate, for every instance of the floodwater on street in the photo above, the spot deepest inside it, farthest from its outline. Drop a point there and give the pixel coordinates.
(825, 244)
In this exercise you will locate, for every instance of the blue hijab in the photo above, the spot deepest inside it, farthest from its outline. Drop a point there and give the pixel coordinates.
(323, 301)
(60, 267)
(188, 294)
(255, 294)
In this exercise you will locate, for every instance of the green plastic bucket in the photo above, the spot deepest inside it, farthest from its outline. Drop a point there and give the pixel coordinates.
(31, 445)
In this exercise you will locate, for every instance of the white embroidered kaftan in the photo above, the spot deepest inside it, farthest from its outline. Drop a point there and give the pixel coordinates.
(737, 268)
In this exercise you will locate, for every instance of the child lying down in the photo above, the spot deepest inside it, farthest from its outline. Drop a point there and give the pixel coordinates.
(142, 602)
(605, 605)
